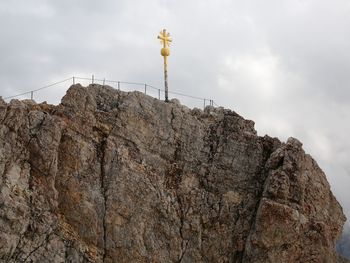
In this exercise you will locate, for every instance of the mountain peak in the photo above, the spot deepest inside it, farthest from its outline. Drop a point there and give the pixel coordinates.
(112, 176)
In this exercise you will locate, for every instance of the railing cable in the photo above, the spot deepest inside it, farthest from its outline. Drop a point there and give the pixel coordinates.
(118, 82)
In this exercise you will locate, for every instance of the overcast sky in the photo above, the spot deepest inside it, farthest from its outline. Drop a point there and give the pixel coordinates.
(283, 63)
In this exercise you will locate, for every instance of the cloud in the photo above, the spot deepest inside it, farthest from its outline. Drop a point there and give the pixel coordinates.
(284, 64)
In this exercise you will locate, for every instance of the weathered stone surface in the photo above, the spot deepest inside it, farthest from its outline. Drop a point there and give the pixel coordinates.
(109, 176)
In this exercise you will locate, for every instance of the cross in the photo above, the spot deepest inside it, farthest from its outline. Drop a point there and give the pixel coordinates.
(165, 52)
(165, 38)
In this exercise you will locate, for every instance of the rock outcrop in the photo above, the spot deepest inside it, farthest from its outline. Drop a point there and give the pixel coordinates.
(109, 176)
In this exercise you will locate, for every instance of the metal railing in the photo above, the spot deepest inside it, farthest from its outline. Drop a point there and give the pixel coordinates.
(146, 88)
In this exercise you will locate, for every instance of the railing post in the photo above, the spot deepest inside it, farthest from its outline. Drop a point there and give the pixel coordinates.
(104, 80)
(118, 85)
(145, 88)
(204, 103)
(31, 95)
(73, 80)
(92, 79)
(159, 94)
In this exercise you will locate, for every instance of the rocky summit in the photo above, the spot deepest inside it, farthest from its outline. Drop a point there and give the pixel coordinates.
(110, 176)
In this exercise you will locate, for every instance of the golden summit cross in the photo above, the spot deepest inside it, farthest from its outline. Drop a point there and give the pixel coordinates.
(165, 40)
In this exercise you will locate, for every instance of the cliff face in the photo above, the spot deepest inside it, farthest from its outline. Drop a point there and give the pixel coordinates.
(109, 176)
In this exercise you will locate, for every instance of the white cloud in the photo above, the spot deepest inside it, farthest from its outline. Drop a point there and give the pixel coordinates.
(284, 64)
(256, 73)
(36, 8)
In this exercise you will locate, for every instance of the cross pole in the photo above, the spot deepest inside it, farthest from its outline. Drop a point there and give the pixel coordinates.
(165, 52)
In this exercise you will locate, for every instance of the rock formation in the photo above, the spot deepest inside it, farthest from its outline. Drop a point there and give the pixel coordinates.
(110, 176)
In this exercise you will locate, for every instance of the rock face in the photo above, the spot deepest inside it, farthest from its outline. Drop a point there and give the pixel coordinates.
(109, 176)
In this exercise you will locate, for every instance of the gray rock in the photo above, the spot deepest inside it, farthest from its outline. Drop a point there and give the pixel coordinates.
(109, 176)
